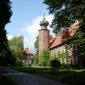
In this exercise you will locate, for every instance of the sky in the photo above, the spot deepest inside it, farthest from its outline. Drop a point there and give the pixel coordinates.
(25, 20)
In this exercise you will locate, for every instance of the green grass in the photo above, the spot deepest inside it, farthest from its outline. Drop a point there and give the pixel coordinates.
(47, 70)
(36, 70)
(74, 78)
(5, 81)
(67, 75)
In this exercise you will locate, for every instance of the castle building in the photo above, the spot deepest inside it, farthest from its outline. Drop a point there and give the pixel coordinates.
(59, 47)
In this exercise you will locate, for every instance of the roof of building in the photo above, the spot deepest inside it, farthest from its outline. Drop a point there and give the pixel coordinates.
(59, 39)
(44, 22)
(26, 50)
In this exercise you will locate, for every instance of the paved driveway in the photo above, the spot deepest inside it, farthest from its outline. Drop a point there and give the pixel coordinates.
(20, 78)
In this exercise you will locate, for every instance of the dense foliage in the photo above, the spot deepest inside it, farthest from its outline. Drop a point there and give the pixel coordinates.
(44, 58)
(5, 14)
(79, 39)
(16, 46)
(55, 63)
(66, 12)
(69, 75)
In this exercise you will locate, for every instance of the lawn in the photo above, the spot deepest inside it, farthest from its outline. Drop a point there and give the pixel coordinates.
(69, 75)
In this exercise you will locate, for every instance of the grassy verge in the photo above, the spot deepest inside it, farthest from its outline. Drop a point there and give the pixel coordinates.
(5, 81)
(70, 76)
(74, 78)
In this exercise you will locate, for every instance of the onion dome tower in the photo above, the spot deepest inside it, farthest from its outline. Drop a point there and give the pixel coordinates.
(43, 36)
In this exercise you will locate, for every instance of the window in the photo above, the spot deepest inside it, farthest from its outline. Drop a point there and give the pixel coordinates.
(61, 60)
(64, 50)
(65, 60)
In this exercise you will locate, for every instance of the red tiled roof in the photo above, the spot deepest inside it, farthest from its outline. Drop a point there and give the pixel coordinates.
(51, 41)
(26, 50)
(59, 39)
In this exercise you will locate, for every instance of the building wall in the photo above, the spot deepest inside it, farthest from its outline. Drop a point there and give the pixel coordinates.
(66, 54)
(75, 54)
(59, 53)
(43, 45)
(43, 40)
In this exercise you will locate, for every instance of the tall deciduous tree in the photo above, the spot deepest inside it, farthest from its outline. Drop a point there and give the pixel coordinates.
(5, 14)
(16, 46)
(66, 12)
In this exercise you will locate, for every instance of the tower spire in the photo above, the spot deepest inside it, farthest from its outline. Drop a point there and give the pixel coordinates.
(44, 16)
(43, 39)
(44, 22)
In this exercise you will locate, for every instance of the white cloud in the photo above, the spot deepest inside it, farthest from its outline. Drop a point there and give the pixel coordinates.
(9, 37)
(30, 32)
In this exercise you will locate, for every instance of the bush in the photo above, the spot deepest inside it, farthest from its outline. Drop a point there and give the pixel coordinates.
(44, 58)
(7, 58)
(55, 63)
(74, 78)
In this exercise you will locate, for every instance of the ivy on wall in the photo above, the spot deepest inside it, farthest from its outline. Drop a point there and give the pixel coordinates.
(61, 56)
(45, 57)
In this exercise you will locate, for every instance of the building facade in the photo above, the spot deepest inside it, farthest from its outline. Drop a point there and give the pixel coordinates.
(28, 56)
(59, 47)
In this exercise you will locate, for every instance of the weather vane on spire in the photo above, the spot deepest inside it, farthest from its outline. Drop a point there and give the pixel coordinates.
(44, 22)
(44, 15)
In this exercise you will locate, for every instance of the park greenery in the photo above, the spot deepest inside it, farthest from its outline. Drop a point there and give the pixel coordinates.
(16, 46)
(10, 50)
(71, 76)
(66, 12)
(6, 56)
(44, 58)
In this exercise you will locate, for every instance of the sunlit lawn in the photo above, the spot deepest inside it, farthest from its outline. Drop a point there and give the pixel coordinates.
(72, 76)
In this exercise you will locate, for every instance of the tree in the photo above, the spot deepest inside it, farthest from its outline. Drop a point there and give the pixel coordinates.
(36, 45)
(66, 12)
(44, 58)
(79, 38)
(5, 14)
(55, 63)
(16, 46)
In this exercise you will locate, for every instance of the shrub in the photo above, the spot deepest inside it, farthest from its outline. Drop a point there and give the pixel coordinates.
(74, 78)
(55, 63)
(44, 58)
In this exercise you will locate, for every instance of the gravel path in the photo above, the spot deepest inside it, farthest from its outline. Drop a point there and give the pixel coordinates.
(20, 78)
